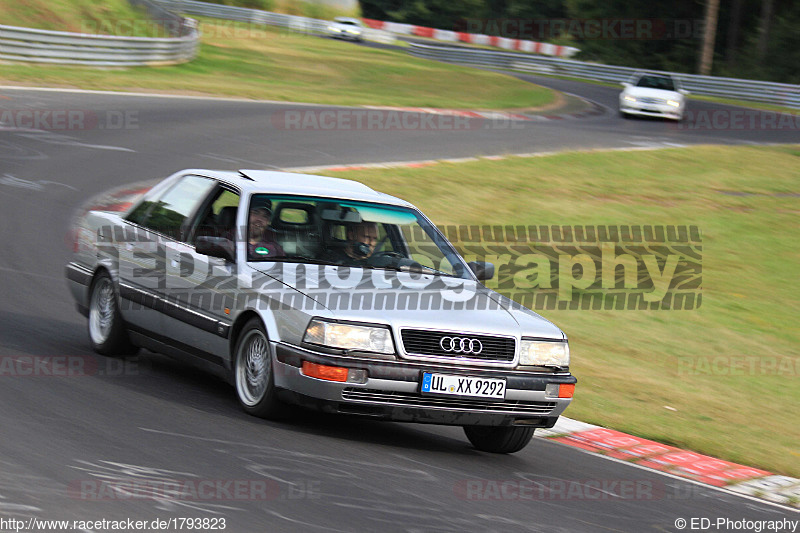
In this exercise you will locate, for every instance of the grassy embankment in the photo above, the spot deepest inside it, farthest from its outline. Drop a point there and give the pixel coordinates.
(275, 64)
(701, 379)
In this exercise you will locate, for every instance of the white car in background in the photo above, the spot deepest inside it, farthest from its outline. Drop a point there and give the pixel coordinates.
(346, 28)
(653, 95)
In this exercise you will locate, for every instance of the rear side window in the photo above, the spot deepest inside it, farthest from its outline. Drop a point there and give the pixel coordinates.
(168, 213)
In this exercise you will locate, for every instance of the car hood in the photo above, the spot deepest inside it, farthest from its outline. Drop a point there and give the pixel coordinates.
(644, 92)
(405, 300)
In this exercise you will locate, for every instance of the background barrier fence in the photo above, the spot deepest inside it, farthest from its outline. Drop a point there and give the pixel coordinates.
(44, 46)
(26, 44)
(759, 91)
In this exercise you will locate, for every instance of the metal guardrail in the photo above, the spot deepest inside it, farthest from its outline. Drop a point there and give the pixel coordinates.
(758, 91)
(264, 18)
(44, 46)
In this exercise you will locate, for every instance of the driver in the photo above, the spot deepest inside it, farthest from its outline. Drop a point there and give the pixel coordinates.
(362, 238)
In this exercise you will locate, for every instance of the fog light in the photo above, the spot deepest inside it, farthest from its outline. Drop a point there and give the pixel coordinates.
(356, 375)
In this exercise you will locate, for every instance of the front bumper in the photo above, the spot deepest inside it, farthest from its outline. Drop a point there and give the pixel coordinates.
(651, 110)
(392, 392)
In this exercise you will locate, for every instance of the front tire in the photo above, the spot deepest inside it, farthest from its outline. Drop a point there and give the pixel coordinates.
(499, 439)
(107, 332)
(255, 386)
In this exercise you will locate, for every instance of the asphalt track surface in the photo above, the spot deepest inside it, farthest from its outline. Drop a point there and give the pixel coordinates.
(166, 425)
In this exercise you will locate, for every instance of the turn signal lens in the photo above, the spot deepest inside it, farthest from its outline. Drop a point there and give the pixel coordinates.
(566, 390)
(328, 373)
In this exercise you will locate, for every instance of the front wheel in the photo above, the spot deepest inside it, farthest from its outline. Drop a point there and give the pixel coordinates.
(107, 332)
(255, 386)
(499, 439)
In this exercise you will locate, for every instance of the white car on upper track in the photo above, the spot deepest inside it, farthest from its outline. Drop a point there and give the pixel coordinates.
(653, 95)
(346, 28)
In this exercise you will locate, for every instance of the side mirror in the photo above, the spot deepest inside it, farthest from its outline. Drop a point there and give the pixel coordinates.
(684, 92)
(481, 269)
(216, 247)
(626, 84)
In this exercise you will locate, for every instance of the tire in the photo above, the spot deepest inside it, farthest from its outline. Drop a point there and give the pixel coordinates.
(255, 386)
(108, 334)
(499, 439)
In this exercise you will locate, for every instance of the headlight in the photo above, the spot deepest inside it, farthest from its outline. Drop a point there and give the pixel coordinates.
(333, 28)
(629, 98)
(350, 336)
(544, 353)
(674, 103)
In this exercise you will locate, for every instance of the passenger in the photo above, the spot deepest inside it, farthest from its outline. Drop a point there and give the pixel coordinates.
(262, 242)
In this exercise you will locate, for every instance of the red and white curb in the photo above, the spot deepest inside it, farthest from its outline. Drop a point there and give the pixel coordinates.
(505, 43)
(593, 109)
(675, 461)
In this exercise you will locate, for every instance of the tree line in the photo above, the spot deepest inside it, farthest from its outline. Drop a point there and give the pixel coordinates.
(756, 39)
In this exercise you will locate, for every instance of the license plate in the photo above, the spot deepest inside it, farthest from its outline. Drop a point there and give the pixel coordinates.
(471, 386)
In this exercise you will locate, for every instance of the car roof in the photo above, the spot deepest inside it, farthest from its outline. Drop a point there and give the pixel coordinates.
(347, 19)
(667, 75)
(277, 182)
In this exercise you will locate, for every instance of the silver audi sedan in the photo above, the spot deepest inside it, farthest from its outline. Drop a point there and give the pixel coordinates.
(320, 292)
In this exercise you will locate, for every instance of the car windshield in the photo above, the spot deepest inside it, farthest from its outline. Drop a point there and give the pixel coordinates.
(656, 82)
(348, 233)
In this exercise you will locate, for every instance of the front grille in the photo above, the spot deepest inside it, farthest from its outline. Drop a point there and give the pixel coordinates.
(649, 100)
(410, 399)
(421, 342)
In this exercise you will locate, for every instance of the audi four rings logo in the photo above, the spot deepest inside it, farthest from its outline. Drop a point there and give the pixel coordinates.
(461, 345)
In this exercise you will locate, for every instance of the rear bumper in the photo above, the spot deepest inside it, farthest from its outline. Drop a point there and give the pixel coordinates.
(392, 392)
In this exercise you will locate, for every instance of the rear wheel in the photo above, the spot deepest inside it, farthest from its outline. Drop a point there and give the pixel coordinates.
(499, 439)
(107, 332)
(255, 386)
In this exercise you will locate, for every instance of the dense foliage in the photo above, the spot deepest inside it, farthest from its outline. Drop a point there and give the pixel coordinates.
(754, 38)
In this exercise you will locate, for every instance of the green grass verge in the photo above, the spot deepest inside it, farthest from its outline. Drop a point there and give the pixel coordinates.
(109, 17)
(628, 362)
(275, 64)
